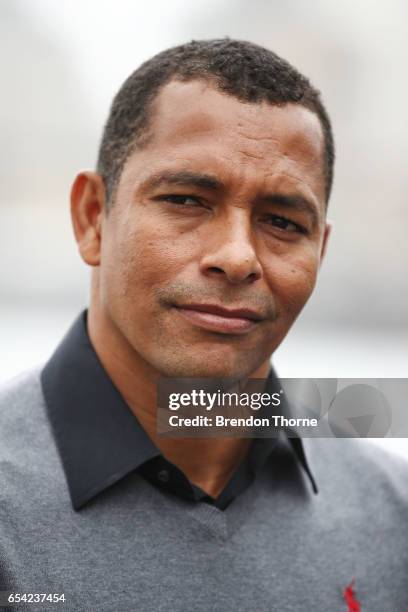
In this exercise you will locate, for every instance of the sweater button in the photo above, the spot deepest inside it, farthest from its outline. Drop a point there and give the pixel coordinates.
(163, 476)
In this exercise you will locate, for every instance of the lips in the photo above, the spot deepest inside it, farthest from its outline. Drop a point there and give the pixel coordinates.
(218, 319)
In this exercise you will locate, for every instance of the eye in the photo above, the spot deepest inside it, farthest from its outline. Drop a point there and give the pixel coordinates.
(181, 200)
(284, 224)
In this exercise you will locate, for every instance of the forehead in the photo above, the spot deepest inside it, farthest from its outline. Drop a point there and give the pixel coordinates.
(196, 124)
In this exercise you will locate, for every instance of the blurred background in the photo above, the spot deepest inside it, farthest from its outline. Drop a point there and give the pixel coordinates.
(63, 61)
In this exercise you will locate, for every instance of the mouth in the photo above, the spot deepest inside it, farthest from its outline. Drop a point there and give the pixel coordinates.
(218, 319)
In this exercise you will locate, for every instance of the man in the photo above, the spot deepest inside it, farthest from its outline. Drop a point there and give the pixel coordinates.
(205, 226)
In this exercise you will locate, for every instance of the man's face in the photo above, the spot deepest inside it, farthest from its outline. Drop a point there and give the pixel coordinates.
(214, 240)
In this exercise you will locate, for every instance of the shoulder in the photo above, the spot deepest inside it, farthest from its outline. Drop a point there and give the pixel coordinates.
(357, 453)
(28, 456)
(21, 405)
(21, 390)
(359, 471)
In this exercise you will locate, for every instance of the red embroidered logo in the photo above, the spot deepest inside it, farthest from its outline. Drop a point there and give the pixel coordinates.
(349, 597)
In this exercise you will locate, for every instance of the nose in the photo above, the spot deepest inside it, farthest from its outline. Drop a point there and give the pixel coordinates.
(230, 250)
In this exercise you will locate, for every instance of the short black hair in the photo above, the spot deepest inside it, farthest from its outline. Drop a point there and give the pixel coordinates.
(242, 69)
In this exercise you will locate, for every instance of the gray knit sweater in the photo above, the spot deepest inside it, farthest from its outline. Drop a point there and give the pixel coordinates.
(137, 548)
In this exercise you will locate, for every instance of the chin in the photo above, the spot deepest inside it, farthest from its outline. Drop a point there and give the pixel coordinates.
(208, 366)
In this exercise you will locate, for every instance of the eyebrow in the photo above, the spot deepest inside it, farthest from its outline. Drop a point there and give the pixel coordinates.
(184, 177)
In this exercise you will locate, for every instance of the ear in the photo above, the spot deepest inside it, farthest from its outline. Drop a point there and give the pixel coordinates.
(327, 231)
(87, 211)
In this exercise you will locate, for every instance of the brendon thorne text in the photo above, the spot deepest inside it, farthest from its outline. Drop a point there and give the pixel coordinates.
(250, 421)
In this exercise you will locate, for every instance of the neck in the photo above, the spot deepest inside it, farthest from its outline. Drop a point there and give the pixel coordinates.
(207, 462)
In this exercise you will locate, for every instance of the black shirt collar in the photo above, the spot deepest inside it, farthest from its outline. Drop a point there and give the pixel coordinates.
(98, 437)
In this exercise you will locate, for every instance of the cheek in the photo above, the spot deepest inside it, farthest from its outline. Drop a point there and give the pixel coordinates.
(140, 256)
(292, 280)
